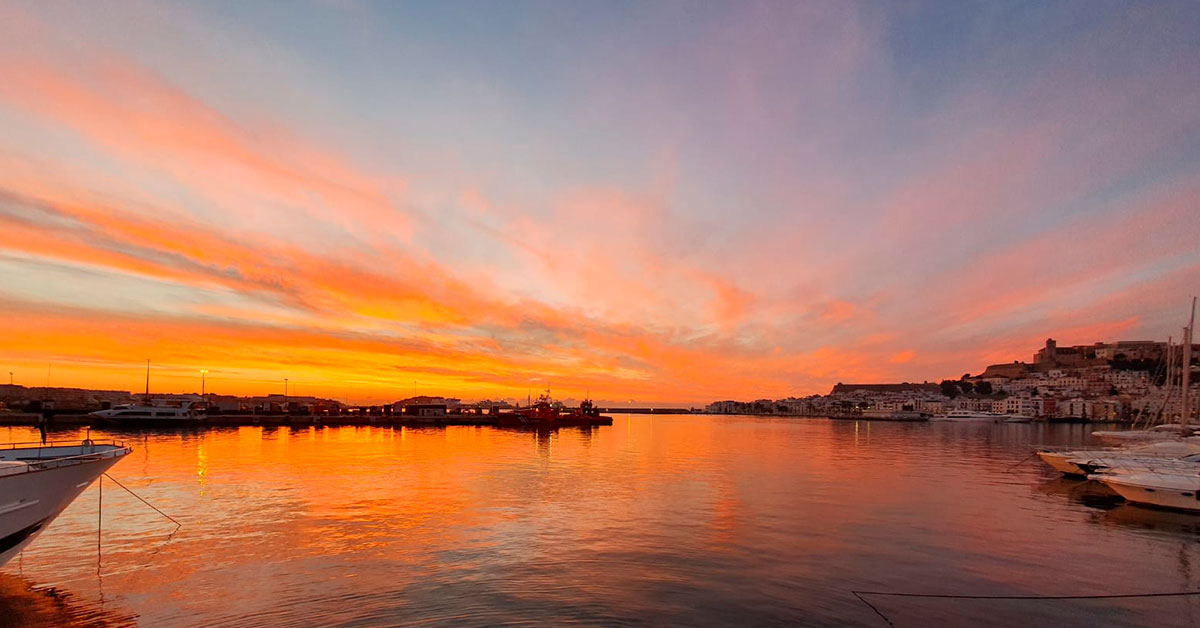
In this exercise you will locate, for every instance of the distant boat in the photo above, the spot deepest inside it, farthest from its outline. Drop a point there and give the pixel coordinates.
(38, 481)
(545, 413)
(969, 416)
(133, 414)
(890, 415)
(168, 412)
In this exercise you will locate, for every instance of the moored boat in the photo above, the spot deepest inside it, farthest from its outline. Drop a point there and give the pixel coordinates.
(891, 415)
(1130, 464)
(149, 414)
(968, 416)
(1170, 431)
(39, 480)
(1068, 461)
(545, 413)
(1179, 490)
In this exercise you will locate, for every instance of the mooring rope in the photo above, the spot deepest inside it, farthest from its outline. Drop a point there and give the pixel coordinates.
(872, 607)
(945, 596)
(172, 519)
(1022, 461)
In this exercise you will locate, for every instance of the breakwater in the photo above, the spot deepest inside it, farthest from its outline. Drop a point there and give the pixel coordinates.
(233, 420)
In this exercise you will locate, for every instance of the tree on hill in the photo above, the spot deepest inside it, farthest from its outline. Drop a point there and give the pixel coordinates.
(983, 388)
(949, 388)
(966, 387)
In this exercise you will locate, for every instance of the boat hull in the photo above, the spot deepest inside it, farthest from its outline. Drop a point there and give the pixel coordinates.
(138, 422)
(1061, 462)
(1145, 493)
(967, 419)
(30, 501)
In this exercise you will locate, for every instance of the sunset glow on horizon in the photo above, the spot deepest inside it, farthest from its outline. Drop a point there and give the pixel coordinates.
(666, 203)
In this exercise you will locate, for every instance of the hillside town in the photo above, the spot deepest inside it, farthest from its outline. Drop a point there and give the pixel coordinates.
(1100, 382)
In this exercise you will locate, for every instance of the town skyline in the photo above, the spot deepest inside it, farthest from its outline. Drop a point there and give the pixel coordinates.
(302, 389)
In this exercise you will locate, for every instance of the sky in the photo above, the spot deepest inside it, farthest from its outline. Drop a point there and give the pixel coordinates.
(651, 203)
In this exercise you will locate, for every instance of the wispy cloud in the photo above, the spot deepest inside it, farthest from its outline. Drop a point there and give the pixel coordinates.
(720, 201)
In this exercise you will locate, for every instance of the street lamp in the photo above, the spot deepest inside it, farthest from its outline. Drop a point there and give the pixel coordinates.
(203, 372)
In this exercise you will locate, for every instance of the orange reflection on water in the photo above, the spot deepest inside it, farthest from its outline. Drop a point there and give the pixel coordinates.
(652, 520)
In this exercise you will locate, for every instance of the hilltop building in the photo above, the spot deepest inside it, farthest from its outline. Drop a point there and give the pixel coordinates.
(1099, 382)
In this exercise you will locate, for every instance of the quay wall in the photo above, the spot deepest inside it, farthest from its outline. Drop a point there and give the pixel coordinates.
(234, 420)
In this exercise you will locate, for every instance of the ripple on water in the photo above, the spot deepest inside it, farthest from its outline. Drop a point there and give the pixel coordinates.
(664, 520)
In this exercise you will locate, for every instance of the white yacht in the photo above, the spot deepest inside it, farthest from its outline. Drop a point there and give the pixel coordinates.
(1165, 489)
(128, 414)
(1130, 464)
(968, 416)
(39, 480)
(1170, 431)
(168, 409)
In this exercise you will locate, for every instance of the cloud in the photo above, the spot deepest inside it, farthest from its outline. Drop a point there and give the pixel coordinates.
(676, 222)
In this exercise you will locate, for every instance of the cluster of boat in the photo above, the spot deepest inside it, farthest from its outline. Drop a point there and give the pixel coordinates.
(1155, 467)
(1158, 466)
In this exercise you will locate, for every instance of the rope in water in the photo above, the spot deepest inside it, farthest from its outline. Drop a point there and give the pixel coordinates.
(1022, 461)
(942, 596)
(172, 519)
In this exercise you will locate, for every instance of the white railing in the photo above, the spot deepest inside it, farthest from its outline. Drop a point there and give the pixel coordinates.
(41, 456)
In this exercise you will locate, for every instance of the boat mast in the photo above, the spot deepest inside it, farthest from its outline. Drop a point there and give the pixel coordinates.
(1165, 367)
(147, 382)
(1185, 408)
(1163, 414)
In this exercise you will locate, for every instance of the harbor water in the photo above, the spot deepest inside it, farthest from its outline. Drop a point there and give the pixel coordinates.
(655, 520)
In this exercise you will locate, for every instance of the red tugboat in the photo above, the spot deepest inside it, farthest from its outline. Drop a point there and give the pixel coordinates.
(545, 414)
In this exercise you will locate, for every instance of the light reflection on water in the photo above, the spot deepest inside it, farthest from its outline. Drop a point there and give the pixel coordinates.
(665, 520)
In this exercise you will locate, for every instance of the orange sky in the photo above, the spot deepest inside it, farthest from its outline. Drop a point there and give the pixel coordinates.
(376, 201)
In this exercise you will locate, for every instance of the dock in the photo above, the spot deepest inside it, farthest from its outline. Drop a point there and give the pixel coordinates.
(64, 419)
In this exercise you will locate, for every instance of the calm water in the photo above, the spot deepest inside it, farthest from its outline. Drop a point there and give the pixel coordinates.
(653, 521)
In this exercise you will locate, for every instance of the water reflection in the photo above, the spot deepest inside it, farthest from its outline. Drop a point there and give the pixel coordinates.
(1175, 525)
(668, 520)
(24, 604)
(1085, 492)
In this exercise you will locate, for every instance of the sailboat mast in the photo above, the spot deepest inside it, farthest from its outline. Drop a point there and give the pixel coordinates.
(147, 381)
(1186, 365)
(1163, 413)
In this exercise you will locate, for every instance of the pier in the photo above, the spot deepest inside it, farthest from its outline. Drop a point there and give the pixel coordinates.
(78, 419)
